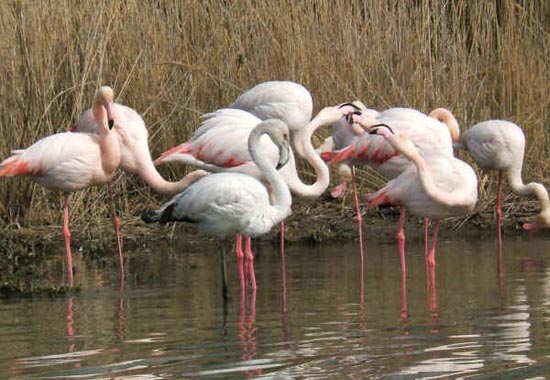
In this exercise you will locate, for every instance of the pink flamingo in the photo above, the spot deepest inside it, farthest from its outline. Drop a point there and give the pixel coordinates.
(70, 162)
(135, 154)
(437, 186)
(429, 133)
(343, 135)
(224, 204)
(500, 145)
(220, 145)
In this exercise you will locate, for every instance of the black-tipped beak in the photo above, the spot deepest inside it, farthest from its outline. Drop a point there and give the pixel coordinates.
(111, 123)
(376, 127)
(349, 104)
(284, 154)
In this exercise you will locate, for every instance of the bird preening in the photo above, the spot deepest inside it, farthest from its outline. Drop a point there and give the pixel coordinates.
(245, 159)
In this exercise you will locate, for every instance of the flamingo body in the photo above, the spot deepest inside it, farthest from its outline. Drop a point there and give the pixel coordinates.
(427, 134)
(65, 161)
(500, 145)
(234, 203)
(285, 100)
(132, 136)
(224, 204)
(449, 175)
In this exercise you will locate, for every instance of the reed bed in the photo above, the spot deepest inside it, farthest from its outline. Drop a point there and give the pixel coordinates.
(173, 60)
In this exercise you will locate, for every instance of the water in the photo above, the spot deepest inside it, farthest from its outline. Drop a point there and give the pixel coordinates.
(169, 319)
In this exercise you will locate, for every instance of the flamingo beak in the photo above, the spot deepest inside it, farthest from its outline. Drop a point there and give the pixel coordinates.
(284, 154)
(374, 129)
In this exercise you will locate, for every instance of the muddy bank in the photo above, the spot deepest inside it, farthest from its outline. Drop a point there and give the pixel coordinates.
(24, 251)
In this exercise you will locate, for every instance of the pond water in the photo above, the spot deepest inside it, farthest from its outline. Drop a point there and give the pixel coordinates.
(484, 318)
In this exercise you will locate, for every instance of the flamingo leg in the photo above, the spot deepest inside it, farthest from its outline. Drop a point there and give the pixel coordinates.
(403, 313)
(498, 210)
(249, 259)
(282, 240)
(67, 236)
(359, 218)
(240, 260)
(116, 224)
(430, 260)
(225, 287)
(426, 223)
(401, 228)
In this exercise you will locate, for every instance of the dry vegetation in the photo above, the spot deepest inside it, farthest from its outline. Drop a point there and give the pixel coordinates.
(173, 60)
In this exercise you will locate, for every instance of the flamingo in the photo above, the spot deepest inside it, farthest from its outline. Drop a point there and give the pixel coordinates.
(220, 144)
(285, 100)
(70, 162)
(344, 134)
(500, 145)
(429, 133)
(232, 203)
(135, 154)
(437, 186)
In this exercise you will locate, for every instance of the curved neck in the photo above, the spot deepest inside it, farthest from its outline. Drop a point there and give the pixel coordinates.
(110, 152)
(454, 199)
(533, 188)
(108, 141)
(149, 174)
(281, 194)
(307, 151)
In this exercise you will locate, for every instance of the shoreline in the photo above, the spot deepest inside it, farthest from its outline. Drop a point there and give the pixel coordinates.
(24, 250)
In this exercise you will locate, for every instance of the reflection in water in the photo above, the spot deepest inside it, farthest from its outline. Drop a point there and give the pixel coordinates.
(314, 322)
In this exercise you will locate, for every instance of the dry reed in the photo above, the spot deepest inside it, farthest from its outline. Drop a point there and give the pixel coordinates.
(173, 60)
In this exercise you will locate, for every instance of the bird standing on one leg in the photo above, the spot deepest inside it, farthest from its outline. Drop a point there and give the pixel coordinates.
(70, 162)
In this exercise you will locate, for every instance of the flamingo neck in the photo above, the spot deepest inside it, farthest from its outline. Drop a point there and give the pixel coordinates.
(530, 189)
(110, 152)
(149, 174)
(459, 198)
(306, 150)
(282, 200)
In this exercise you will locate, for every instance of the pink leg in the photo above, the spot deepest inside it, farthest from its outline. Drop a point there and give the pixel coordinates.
(250, 262)
(430, 260)
(426, 223)
(240, 260)
(67, 235)
(401, 228)
(432, 298)
(282, 240)
(499, 209)
(116, 224)
(403, 314)
(359, 219)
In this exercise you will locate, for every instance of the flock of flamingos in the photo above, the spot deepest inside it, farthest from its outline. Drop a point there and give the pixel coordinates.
(245, 160)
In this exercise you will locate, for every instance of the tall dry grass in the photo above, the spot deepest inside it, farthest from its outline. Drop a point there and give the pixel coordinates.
(173, 60)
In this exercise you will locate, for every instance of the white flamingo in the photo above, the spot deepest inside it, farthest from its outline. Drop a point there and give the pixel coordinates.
(224, 204)
(500, 145)
(220, 145)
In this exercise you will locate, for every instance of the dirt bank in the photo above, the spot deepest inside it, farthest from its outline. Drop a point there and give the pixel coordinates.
(23, 250)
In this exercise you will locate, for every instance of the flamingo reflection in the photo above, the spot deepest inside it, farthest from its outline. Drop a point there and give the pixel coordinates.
(246, 325)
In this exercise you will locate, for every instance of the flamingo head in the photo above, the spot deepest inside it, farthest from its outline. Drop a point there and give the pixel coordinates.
(446, 117)
(105, 98)
(541, 221)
